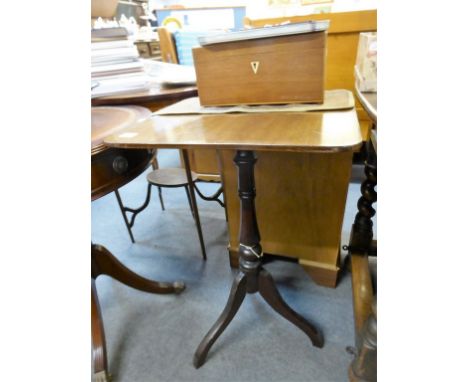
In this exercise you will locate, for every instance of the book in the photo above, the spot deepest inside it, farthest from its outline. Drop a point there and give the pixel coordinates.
(109, 33)
(113, 69)
(109, 56)
(111, 44)
(120, 84)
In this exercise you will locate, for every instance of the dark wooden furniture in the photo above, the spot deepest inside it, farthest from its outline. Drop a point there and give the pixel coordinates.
(112, 168)
(329, 133)
(104, 263)
(297, 206)
(364, 366)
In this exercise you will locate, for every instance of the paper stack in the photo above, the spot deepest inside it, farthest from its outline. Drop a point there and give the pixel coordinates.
(116, 67)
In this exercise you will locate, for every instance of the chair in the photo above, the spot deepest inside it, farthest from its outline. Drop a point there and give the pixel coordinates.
(173, 178)
(363, 249)
(167, 178)
(167, 46)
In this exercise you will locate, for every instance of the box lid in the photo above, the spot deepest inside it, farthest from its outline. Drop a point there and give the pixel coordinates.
(265, 32)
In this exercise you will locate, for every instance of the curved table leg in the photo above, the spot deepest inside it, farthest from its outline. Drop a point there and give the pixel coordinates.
(98, 338)
(268, 290)
(238, 292)
(104, 263)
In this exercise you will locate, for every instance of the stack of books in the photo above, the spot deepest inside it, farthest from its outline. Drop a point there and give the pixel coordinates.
(116, 67)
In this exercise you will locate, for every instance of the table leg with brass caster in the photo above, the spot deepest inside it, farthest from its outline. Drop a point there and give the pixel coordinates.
(104, 263)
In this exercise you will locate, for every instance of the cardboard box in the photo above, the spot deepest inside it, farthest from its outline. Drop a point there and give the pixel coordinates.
(273, 70)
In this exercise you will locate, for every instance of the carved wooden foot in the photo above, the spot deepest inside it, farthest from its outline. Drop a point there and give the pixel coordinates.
(238, 292)
(98, 338)
(104, 263)
(268, 290)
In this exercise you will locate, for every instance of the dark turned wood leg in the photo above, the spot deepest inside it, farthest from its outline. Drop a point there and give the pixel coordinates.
(238, 292)
(361, 232)
(252, 277)
(104, 263)
(194, 202)
(98, 339)
(271, 295)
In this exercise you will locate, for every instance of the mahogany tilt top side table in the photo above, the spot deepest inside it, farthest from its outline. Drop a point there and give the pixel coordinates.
(312, 132)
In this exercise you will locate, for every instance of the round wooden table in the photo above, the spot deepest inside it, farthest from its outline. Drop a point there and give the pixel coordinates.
(112, 168)
(154, 98)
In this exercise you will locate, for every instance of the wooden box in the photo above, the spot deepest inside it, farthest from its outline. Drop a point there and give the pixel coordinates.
(273, 70)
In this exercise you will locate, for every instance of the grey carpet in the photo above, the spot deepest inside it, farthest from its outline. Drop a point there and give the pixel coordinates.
(153, 337)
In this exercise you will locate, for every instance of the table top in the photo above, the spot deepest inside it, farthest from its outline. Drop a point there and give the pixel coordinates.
(106, 120)
(276, 131)
(157, 92)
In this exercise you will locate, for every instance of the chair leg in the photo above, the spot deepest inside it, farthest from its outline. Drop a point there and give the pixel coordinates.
(127, 223)
(161, 198)
(189, 200)
(188, 172)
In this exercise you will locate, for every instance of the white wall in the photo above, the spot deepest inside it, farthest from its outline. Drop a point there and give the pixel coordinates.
(261, 9)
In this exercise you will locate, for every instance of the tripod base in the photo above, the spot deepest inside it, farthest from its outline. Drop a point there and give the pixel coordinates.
(252, 277)
(265, 285)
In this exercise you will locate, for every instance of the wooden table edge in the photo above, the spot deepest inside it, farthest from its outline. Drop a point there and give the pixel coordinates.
(234, 146)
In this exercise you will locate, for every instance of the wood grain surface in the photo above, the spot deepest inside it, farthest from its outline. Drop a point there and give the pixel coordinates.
(342, 42)
(301, 187)
(301, 132)
(290, 70)
(300, 205)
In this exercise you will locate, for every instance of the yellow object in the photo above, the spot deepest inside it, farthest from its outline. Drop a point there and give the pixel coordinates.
(172, 23)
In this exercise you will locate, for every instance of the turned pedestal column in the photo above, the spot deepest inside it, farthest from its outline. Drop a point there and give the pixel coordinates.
(252, 277)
